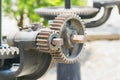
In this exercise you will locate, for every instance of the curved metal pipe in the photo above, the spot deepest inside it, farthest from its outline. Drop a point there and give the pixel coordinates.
(102, 20)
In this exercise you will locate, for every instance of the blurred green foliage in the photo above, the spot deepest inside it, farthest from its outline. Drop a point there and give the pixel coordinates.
(21, 9)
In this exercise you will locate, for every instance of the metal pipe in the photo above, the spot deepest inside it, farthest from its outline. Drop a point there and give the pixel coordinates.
(108, 6)
(67, 4)
(102, 20)
(26, 38)
(98, 4)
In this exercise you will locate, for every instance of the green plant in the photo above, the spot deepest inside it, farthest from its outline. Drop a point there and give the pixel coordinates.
(22, 9)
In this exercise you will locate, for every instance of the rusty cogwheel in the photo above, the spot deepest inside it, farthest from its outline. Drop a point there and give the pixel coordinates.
(54, 11)
(7, 52)
(72, 31)
(48, 41)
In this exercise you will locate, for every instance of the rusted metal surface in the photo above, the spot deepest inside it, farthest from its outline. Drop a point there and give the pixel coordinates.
(68, 30)
(57, 41)
(46, 42)
(51, 13)
(78, 39)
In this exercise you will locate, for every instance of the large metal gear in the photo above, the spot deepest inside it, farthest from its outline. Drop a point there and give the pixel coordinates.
(71, 30)
(50, 13)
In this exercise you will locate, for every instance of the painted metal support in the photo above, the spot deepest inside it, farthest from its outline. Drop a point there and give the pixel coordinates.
(67, 4)
(68, 71)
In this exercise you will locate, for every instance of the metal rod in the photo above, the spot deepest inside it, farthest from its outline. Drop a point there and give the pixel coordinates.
(0, 23)
(78, 39)
(67, 4)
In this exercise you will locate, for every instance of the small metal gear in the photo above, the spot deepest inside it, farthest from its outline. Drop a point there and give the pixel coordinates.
(52, 12)
(72, 31)
(7, 52)
(47, 41)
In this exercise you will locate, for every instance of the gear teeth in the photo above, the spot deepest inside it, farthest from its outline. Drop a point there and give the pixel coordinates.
(16, 50)
(60, 18)
(58, 11)
(2, 51)
(44, 45)
(42, 36)
(58, 21)
(44, 41)
(55, 28)
(9, 52)
(57, 25)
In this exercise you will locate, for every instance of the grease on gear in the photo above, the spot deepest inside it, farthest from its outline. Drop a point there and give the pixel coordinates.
(72, 30)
